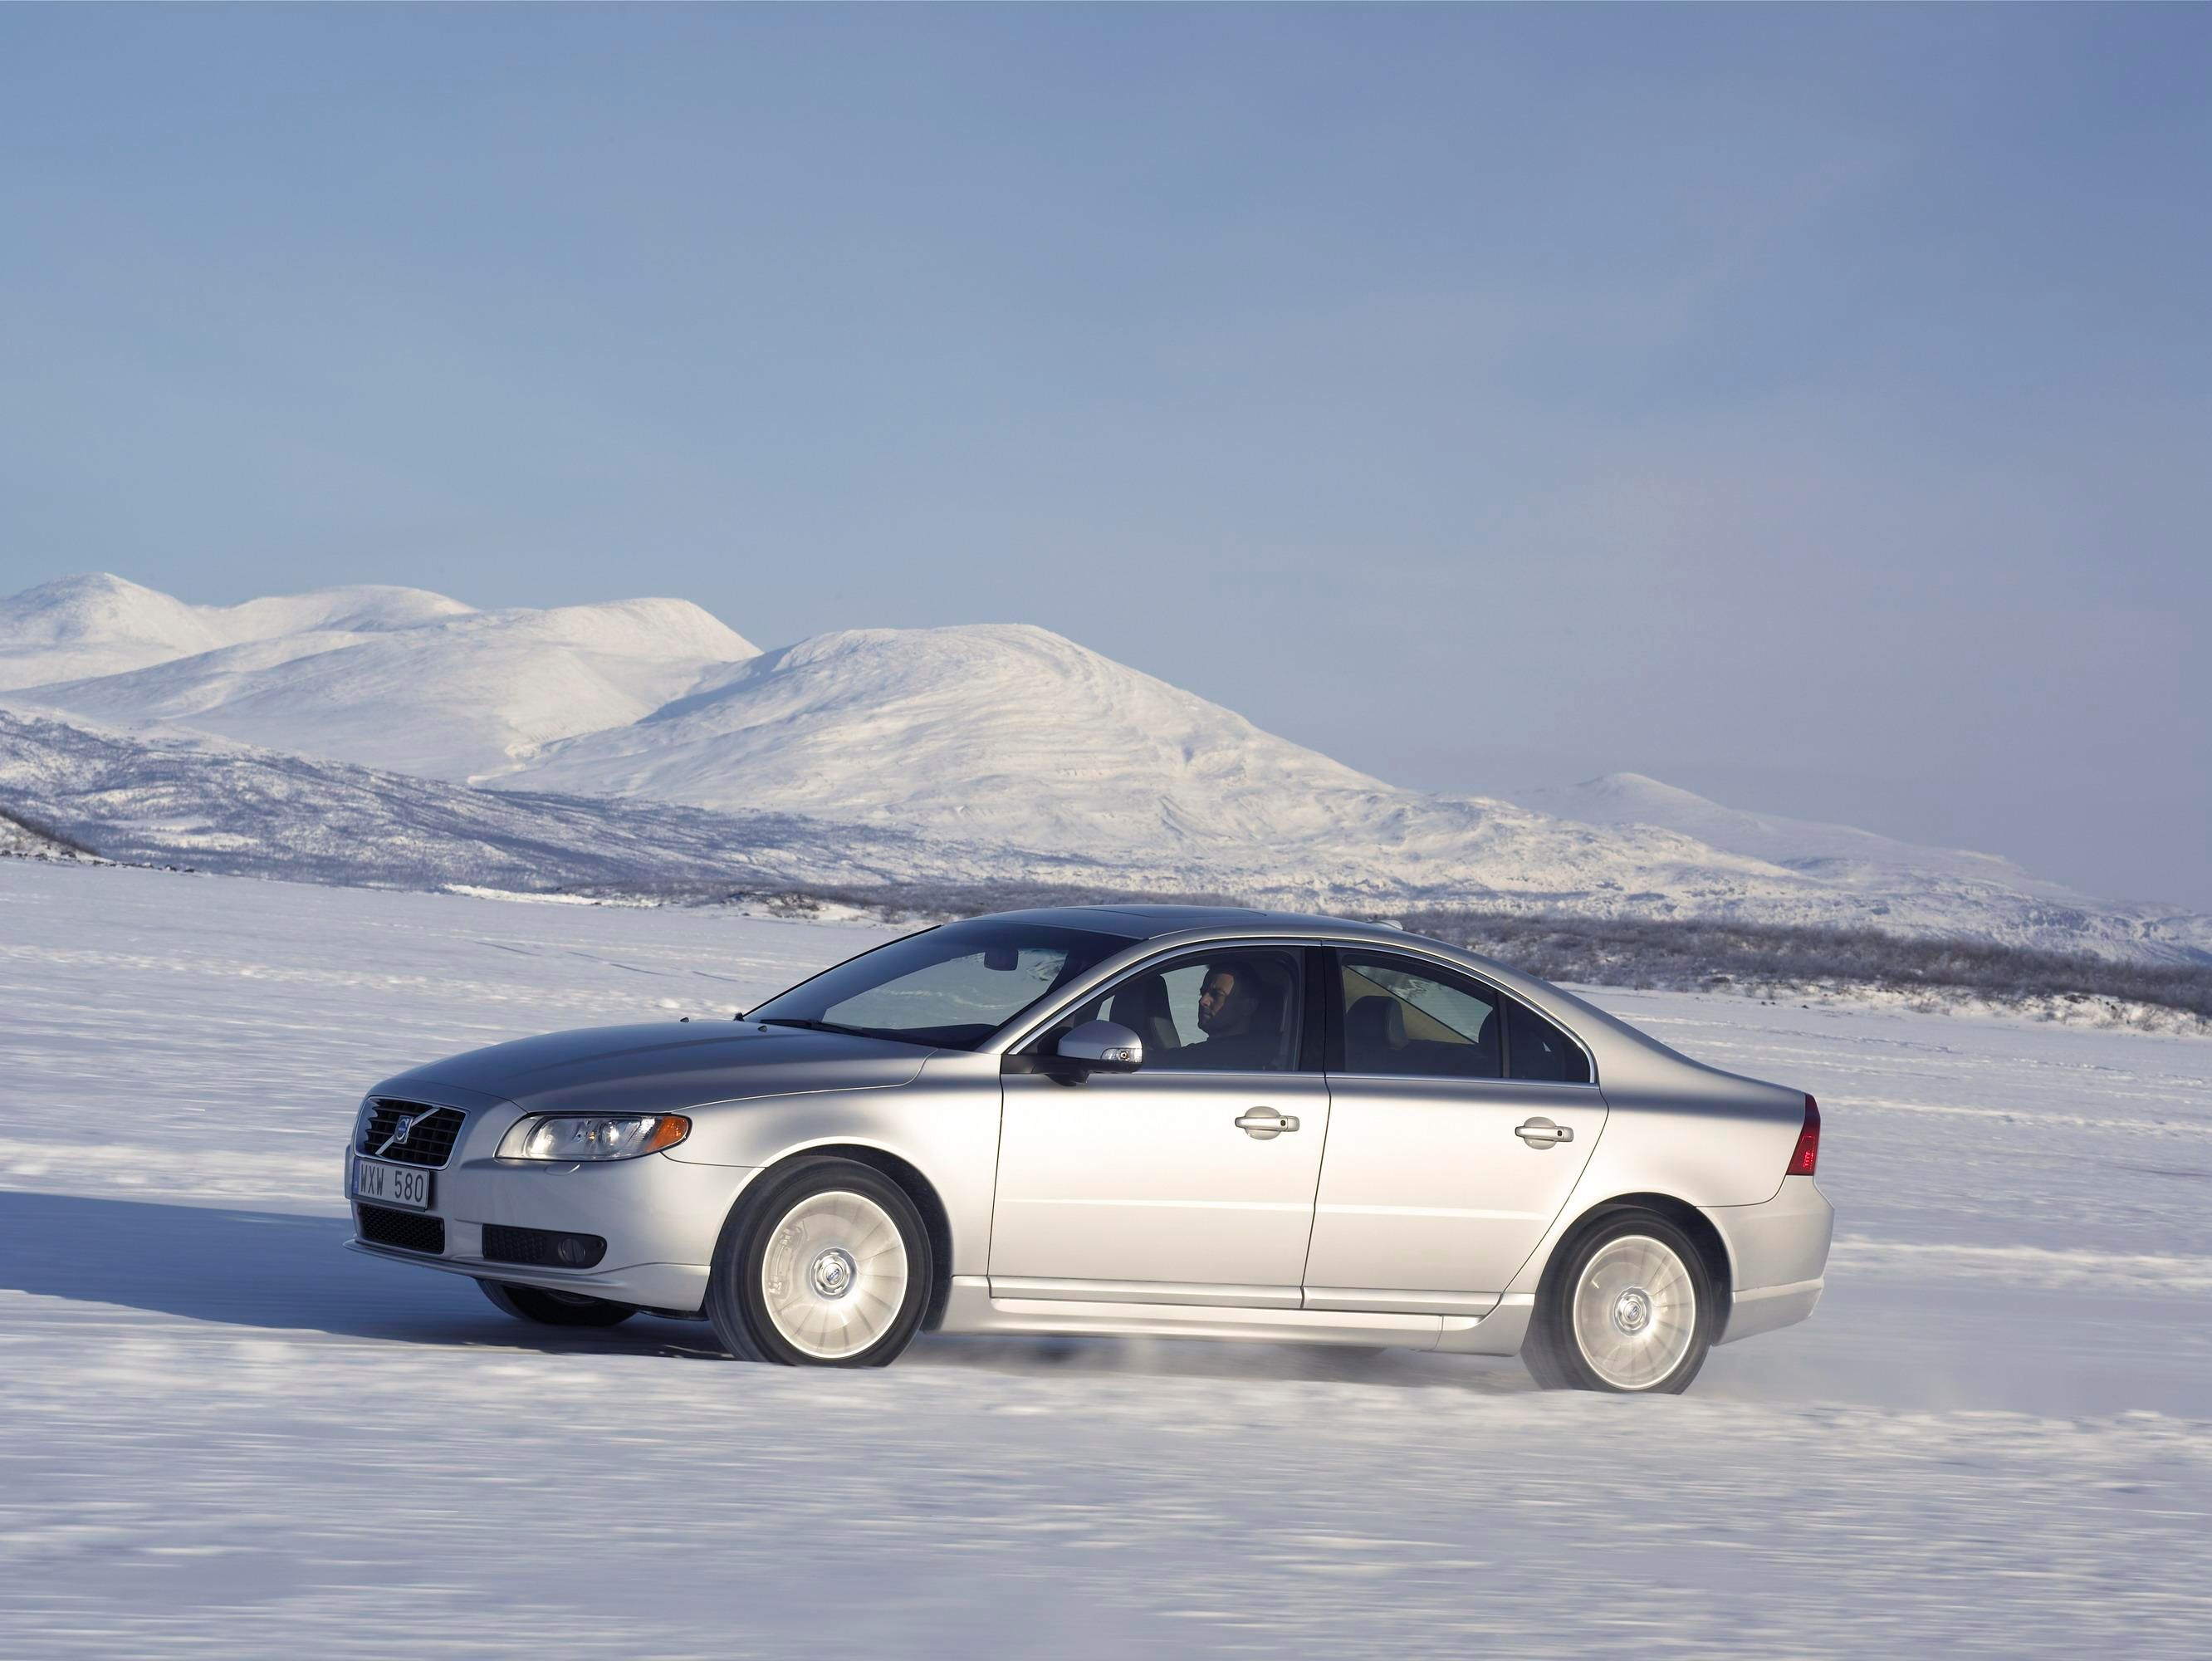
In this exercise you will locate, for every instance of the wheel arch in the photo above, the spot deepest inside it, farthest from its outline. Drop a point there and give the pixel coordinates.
(1712, 1248)
(917, 1188)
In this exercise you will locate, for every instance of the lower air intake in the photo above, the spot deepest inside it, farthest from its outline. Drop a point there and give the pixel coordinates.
(410, 1231)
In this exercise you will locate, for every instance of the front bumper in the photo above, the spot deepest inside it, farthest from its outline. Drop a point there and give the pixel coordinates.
(659, 1217)
(1779, 1253)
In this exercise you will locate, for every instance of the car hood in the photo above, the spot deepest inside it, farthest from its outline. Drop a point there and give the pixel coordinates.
(667, 1065)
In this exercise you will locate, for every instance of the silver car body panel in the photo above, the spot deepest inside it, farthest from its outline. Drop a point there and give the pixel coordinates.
(1146, 1177)
(1428, 1189)
(660, 1219)
(1401, 1212)
(666, 1066)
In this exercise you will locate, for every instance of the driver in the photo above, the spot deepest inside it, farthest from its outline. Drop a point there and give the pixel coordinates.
(1229, 1014)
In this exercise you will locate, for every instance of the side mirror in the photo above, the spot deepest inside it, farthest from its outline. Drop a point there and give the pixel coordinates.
(1101, 1047)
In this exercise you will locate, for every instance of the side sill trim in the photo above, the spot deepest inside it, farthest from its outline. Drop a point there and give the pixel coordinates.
(972, 1308)
(1145, 1292)
(1402, 1303)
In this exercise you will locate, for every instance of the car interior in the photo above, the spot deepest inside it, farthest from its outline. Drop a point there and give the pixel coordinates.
(1395, 1023)
(1160, 1008)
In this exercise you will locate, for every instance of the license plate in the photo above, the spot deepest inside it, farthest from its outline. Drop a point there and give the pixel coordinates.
(391, 1185)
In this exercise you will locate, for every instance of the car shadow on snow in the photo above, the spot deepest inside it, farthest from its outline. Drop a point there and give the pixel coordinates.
(1206, 1358)
(274, 1270)
(280, 1271)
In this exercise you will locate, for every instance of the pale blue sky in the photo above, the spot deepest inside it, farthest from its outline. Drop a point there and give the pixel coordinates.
(1810, 407)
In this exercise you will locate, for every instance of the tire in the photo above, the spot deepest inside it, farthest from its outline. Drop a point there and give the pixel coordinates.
(1629, 1310)
(824, 1263)
(555, 1309)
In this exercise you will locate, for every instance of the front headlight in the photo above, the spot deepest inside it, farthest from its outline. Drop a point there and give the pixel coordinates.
(568, 1138)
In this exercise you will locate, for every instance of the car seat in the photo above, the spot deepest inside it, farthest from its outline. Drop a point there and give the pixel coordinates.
(1272, 1019)
(1142, 1008)
(1374, 1032)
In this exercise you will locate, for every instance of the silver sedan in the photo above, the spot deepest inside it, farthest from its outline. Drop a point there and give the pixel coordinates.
(1158, 1120)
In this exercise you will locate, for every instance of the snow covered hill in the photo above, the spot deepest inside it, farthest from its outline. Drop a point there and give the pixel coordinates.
(1014, 735)
(20, 841)
(175, 798)
(97, 624)
(391, 678)
(1620, 800)
(988, 751)
(999, 726)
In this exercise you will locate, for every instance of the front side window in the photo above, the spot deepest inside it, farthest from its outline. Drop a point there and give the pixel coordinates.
(950, 987)
(1405, 1020)
(1232, 1009)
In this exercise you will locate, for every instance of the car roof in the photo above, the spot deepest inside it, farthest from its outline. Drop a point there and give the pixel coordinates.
(1143, 922)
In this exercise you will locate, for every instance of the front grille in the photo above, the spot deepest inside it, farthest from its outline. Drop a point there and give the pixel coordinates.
(502, 1244)
(431, 1133)
(411, 1231)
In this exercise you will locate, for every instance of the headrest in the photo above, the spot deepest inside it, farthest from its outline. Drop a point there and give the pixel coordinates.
(1143, 1006)
(1375, 1022)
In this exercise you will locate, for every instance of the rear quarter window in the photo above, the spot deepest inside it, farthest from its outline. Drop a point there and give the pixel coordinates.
(1541, 1053)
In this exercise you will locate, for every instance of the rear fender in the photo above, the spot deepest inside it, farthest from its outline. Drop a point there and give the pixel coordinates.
(1727, 1149)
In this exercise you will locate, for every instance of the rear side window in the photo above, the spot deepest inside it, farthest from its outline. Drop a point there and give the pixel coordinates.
(1415, 1022)
(1541, 1053)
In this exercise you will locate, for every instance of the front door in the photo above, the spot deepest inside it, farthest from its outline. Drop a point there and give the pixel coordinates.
(1460, 1121)
(1191, 1180)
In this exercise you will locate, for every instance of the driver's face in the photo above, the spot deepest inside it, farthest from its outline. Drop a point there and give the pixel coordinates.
(1213, 998)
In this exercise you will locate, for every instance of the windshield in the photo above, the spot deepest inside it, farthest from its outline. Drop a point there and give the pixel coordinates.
(951, 986)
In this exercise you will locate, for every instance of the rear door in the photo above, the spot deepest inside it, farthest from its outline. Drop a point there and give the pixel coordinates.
(1444, 1168)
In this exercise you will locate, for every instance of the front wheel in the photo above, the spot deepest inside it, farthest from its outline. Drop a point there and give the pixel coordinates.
(826, 1265)
(1631, 1311)
(555, 1309)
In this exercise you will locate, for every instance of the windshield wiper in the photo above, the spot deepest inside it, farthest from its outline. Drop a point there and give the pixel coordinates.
(819, 1026)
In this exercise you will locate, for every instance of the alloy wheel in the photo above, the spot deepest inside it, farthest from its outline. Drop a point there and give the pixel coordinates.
(1635, 1314)
(833, 1276)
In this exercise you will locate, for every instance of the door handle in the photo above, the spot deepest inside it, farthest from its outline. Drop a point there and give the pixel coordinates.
(1264, 1123)
(1543, 1133)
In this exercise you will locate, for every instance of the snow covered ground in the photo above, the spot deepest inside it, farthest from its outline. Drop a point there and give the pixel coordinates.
(224, 1435)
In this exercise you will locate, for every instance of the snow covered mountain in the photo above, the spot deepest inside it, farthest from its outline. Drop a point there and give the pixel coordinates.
(1620, 800)
(97, 624)
(1013, 735)
(27, 842)
(172, 797)
(394, 678)
(973, 753)
(1000, 729)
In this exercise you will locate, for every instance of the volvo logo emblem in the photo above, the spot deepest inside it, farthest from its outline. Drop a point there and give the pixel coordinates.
(407, 1125)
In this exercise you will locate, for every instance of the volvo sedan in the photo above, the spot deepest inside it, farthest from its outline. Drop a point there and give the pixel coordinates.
(1136, 1120)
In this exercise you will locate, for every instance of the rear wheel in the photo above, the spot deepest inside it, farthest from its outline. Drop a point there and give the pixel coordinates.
(555, 1309)
(1631, 1311)
(827, 1264)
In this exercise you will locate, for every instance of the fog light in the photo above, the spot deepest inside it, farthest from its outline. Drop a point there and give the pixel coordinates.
(503, 1243)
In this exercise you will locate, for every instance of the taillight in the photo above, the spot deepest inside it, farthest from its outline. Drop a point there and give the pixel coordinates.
(1807, 1152)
